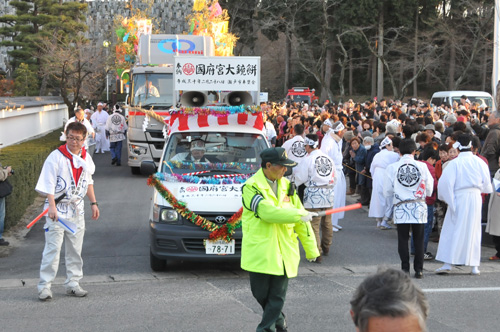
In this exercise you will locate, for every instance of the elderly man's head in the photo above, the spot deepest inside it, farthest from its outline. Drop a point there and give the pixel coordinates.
(389, 301)
(197, 149)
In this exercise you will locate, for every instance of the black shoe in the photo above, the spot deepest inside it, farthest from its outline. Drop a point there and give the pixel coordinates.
(3, 242)
(406, 271)
(113, 161)
(419, 275)
(428, 256)
(118, 164)
(281, 329)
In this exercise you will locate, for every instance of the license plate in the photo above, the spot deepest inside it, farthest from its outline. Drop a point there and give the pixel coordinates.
(219, 247)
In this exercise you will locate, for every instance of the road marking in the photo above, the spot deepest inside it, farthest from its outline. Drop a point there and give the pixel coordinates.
(456, 290)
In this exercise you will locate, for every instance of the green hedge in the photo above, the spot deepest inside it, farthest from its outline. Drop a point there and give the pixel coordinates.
(26, 160)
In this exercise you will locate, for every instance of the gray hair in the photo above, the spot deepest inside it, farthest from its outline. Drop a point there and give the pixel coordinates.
(388, 293)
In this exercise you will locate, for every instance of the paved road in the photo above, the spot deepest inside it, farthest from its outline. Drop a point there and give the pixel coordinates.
(125, 295)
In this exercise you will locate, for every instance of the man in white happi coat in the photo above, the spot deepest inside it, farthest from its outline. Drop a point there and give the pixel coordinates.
(408, 182)
(331, 145)
(294, 147)
(460, 186)
(116, 126)
(317, 172)
(380, 205)
(67, 173)
(99, 119)
(80, 117)
(269, 131)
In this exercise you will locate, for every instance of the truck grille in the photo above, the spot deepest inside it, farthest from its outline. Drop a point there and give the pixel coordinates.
(167, 244)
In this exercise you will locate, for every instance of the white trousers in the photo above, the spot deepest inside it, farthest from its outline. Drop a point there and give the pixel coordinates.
(101, 142)
(339, 198)
(54, 237)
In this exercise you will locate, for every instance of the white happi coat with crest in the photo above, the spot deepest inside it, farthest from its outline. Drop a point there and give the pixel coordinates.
(57, 178)
(317, 172)
(408, 182)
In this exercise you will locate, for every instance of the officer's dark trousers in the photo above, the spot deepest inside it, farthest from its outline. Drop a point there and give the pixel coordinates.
(270, 292)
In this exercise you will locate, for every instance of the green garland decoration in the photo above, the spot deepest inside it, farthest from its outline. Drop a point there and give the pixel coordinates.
(217, 232)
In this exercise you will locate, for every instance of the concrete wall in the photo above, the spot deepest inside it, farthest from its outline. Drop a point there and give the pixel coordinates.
(23, 118)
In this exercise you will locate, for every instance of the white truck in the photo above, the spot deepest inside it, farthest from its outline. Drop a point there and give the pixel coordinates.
(152, 88)
(205, 162)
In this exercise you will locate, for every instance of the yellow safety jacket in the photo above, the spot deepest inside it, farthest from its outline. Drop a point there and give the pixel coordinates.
(270, 228)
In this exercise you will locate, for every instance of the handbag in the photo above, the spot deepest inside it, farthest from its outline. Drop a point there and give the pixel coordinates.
(5, 188)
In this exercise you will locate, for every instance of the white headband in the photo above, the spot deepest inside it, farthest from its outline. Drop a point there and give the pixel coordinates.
(311, 142)
(339, 127)
(328, 123)
(459, 146)
(385, 142)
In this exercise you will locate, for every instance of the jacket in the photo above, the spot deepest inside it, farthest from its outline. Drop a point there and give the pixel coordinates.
(491, 148)
(270, 228)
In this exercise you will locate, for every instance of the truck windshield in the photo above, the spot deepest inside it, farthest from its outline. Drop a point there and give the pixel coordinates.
(299, 98)
(213, 152)
(152, 90)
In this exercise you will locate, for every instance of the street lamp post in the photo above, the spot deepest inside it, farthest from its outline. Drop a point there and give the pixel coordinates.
(106, 45)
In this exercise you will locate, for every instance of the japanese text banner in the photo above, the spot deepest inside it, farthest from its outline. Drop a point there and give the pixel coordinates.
(217, 73)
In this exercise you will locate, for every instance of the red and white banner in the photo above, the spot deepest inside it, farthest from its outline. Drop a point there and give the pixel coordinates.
(182, 122)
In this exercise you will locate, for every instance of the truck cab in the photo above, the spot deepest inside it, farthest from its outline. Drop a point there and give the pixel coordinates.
(301, 94)
(152, 88)
(204, 164)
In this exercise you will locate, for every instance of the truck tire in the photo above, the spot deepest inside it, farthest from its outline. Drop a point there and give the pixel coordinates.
(157, 265)
(135, 170)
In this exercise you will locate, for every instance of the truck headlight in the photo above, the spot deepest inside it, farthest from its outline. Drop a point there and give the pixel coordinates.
(138, 150)
(169, 216)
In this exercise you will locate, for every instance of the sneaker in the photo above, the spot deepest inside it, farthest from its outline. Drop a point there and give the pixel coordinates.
(379, 223)
(337, 227)
(45, 294)
(385, 225)
(3, 242)
(419, 275)
(428, 256)
(443, 270)
(76, 291)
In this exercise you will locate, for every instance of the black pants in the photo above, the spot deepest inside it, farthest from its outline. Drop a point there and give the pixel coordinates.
(496, 241)
(418, 240)
(270, 292)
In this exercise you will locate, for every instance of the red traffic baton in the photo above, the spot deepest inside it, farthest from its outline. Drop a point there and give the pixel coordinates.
(44, 212)
(340, 209)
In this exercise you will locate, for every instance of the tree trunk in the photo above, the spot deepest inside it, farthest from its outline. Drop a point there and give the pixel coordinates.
(415, 55)
(451, 67)
(484, 67)
(374, 76)
(350, 73)
(328, 74)
(288, 59)
(380, 65)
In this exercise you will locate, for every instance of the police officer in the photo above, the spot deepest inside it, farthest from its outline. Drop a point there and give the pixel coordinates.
(272, 218)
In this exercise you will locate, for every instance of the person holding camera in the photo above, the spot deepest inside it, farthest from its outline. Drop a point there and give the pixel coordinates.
(5, 172)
